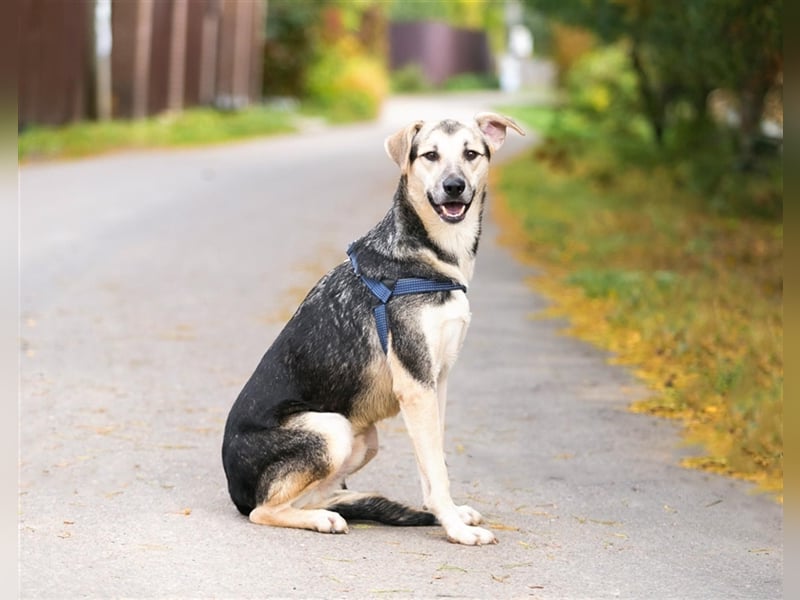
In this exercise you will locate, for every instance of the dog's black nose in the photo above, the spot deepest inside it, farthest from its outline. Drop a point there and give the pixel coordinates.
(454, 186)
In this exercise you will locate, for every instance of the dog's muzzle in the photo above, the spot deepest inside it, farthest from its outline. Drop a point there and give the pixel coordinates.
(451, 204)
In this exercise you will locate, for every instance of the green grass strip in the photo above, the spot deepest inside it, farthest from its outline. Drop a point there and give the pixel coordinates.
(196, 126)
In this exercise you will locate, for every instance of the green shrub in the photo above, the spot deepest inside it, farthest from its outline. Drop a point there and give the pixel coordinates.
(346, 84)
(471, 81)
(602, 85)
(410, 78)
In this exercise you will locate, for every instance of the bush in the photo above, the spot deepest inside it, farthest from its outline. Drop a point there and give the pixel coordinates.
(602, 85)
(289, 45)
(471, 81)
(410, 78)
(568, 45)
(347, 84)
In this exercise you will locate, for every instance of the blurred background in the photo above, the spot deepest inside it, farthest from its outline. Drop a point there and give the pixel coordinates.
(653, 202)
(103, 59)
(679, 65)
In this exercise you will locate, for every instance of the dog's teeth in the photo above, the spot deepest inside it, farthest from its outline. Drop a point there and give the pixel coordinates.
(454, 209)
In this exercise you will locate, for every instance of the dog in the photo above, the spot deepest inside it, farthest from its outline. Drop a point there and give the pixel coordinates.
(377, 335)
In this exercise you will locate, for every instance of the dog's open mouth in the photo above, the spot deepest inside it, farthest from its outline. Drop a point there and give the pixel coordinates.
(452, 212)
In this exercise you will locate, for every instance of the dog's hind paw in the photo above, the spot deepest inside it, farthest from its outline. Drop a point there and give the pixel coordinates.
(471, 536)
(327, 521)
(469, 515)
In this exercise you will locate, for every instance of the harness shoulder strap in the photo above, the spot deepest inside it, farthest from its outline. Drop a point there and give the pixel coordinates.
(402, 287)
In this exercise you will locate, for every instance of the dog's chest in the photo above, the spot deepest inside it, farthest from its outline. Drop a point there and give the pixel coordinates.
(444, 327)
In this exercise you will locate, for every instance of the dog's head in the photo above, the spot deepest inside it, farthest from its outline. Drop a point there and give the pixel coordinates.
(446, 163)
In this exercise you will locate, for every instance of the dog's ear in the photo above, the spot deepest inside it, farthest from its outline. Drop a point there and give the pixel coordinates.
(398, 145)
(493, 127)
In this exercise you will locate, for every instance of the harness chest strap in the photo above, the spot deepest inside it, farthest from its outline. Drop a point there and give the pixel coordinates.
(402, 287)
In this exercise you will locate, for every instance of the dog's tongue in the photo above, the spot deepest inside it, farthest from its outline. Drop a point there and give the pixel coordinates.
(454, 209)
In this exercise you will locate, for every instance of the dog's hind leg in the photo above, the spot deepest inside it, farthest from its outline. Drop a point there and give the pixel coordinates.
(365, 448)
(312, 467)
(361, 506)
(286, 515)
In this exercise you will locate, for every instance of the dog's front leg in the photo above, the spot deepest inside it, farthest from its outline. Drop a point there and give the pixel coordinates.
(468, 515)
(419, 405)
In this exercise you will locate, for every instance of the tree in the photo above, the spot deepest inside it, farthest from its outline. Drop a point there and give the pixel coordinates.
(681, 50)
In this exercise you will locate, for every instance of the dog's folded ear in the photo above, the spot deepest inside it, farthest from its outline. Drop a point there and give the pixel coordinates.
(493, 127)
(398, 145)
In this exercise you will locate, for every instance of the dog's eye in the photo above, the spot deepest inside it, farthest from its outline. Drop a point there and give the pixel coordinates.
(431, 156)
(471, 154)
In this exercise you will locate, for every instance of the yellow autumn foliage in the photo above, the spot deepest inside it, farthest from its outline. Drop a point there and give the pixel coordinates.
(690, 301)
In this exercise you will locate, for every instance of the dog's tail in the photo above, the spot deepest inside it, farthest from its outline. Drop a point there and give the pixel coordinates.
(368, 507)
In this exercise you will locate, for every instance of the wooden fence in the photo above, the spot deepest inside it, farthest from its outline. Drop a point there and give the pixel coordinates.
(166, 55)
(439, 49)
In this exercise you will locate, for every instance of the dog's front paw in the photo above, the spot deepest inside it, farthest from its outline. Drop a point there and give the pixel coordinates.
(469, 515)
(328, 521)
(471, 536)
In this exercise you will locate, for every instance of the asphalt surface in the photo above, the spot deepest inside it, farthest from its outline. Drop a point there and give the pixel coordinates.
(152, 283)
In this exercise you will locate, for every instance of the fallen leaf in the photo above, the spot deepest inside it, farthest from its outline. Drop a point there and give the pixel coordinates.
(447, 567)
(502, 527)
(331, 558)
(517, 565)
(601, 522)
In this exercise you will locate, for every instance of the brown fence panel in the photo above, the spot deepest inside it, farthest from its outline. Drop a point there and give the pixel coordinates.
(240, 52)
(210, 54)
(159, 57)
(441, 50)
(54, 61)
(194, 52)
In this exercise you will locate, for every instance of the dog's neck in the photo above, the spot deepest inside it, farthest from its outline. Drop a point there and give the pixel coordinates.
(449, 248)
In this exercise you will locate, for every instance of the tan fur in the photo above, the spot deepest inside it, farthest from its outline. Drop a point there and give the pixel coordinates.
(493, 127)
(377, 402)
(420, 409)
(398, 144)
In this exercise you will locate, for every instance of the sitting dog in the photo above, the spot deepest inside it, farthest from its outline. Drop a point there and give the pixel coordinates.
(377, 335)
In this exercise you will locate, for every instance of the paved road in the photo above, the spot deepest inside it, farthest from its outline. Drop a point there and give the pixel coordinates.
(151, 285)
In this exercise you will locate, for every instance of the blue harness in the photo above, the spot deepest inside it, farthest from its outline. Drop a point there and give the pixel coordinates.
(402, 287)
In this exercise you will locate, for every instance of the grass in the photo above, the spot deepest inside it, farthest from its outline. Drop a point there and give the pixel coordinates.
(683, 286)
(191, 127)
(411, 79)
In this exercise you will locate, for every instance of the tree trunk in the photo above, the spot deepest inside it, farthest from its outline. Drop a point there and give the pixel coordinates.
(653, 105)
